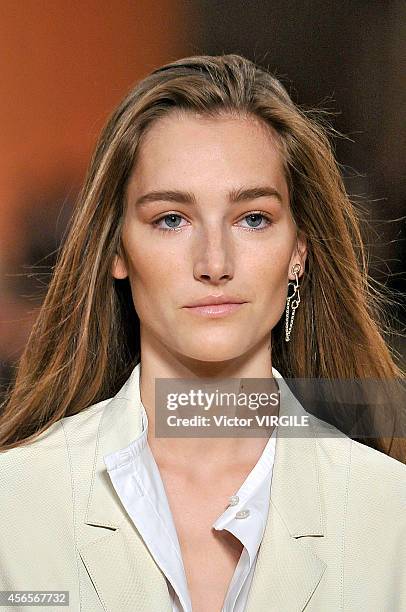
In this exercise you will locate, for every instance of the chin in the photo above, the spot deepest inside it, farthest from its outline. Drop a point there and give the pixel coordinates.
(212, 351)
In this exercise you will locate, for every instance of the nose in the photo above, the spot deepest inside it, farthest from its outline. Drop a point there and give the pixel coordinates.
(213, 260)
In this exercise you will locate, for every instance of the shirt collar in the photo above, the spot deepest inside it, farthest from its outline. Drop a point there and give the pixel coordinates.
(253, 495)
(136, 479)
(137, 446)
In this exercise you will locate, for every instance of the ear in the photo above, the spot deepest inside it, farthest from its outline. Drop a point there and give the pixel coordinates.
(299, 255)
(118, 267)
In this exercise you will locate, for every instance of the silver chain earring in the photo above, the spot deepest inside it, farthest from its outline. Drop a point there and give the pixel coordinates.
(295, 303)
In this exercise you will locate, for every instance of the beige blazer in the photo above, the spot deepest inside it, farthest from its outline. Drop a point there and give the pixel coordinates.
(335, 537)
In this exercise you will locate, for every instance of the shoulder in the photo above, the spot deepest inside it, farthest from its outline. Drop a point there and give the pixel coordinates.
(372, 479)
(48, 454)
(39, 489)
(40, 501)
(380, 480)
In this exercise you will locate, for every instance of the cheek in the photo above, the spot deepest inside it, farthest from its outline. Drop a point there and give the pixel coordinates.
(142, 261)
(149, 255)
(268, 277)
(152, 277)
(268, 265)
(273, 289)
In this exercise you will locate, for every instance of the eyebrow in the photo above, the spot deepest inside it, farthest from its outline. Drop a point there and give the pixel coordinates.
(234, 196)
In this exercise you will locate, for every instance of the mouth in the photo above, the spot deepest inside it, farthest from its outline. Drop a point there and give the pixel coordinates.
(215, 310)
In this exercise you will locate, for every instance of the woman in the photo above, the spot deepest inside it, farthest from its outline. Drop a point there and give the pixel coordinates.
(207, 186)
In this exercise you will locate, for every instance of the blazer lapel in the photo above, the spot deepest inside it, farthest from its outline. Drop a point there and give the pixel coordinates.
(288, 571)
(116, 558)
(119, 563)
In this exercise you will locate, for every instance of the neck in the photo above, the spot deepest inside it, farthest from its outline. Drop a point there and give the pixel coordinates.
(186, 453)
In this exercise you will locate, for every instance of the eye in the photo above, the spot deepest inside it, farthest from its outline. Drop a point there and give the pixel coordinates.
(170, 222)
(172, 217)
(255, 219)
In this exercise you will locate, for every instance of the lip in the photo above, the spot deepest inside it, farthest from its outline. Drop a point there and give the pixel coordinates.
(216, 300)
(215, 310)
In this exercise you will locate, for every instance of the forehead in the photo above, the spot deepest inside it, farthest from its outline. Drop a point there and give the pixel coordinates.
(182, 117)
(186, 146)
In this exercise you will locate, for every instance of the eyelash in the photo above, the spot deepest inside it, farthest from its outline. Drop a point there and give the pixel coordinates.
(250, 229)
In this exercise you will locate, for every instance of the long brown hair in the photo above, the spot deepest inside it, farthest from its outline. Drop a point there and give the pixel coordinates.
(85, 340)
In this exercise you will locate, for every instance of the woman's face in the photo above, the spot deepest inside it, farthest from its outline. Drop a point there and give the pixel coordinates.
(197, 239)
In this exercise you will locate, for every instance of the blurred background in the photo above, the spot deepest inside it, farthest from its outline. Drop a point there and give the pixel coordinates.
(66, 65)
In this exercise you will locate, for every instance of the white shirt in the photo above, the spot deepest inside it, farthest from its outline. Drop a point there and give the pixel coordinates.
(139, 485)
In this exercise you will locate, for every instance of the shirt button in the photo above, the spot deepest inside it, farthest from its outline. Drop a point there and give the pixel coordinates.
(242, 514)
(233, 501)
